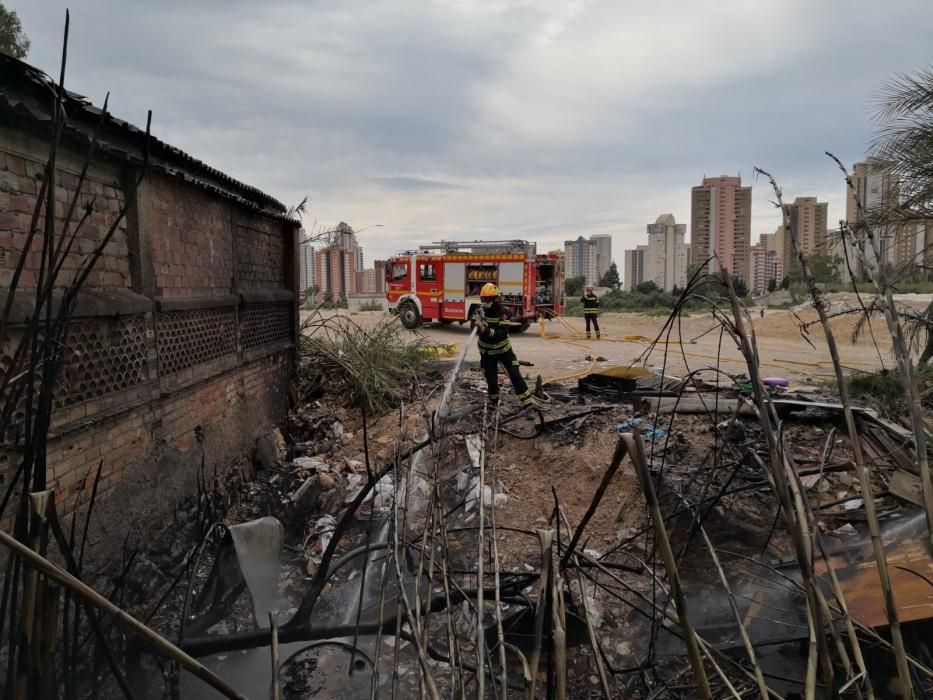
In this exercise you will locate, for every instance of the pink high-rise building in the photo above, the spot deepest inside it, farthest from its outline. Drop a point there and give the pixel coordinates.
(721, 224)
(766, 265)
(335, 272)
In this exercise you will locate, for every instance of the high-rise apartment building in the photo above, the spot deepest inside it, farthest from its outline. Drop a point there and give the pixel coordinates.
(345, 237)
(603, 243)
(336, 273)
(874, 188)
(666, 258)
(580, 259)
(808, 221)
(589, 258)
(904, 245)
(633, 273)
(372, 280)
(307, 274)
(338, 264)
(912, 247)
(773, 241)
(721, 224)
(764, 266)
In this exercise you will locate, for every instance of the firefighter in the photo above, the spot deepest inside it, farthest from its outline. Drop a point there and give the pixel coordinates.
(591, 310)
(495, 346)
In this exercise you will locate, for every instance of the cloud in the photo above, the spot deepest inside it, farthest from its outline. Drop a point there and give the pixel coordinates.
(544, 119)
(412, 184)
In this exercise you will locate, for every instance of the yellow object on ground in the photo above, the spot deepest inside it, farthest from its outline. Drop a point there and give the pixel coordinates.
(450, 350)
(624, 372)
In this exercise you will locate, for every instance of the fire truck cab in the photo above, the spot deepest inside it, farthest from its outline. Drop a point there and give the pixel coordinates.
(441, 282)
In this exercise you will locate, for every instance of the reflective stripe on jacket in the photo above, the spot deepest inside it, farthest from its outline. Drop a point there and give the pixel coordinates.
(495, 339)
(590, 303)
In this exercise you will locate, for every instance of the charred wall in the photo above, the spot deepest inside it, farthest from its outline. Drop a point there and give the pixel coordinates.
(181, 347)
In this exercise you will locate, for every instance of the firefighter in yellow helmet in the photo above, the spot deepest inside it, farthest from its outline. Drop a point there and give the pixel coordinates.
(495, 346)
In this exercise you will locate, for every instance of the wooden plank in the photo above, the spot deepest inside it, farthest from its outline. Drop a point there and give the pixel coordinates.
(907, 486)
(908, 564)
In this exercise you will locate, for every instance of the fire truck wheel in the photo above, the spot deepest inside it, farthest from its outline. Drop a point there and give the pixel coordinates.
(410, 316)
(521, 327)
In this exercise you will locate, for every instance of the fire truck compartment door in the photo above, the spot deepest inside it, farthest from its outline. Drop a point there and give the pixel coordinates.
(511, 278)
(454, 281)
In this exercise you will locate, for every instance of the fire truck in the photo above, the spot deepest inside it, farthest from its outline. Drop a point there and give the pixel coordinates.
(441, 282)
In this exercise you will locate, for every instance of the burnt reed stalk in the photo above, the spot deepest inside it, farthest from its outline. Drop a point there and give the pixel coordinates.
(28, 385)
(861, 469)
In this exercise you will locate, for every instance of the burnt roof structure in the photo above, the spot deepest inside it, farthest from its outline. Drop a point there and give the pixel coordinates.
(28, 96)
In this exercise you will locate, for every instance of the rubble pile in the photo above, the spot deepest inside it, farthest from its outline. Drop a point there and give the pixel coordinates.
(579, 548)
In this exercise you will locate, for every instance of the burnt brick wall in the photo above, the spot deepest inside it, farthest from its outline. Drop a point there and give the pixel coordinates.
(260, 256)
(265, 325)
(157, 447)
(22, 165)
(192, 246)
(185, 353)
(188, 339)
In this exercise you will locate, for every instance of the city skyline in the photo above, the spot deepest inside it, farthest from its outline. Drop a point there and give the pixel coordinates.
(591, 257)
(806, 212)
(542, 112)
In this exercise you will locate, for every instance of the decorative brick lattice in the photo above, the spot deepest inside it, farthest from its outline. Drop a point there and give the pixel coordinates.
(190, 338)
(268, 324)
(6, 368)
(102, 356)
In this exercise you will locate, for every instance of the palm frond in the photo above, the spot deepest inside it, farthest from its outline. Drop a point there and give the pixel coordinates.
(905, 94)
(299, 210)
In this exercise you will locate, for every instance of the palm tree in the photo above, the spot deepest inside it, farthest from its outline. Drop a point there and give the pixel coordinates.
(903, 146)
(904, 142)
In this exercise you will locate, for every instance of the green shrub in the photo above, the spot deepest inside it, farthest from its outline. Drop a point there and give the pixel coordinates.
(377, 367)
(884, 389)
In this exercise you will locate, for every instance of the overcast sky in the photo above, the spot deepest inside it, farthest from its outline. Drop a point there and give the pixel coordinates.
(461, 120)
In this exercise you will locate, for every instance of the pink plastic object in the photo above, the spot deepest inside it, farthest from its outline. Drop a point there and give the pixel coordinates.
(775, 381)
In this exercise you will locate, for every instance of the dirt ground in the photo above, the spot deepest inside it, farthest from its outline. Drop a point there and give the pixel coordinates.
(529, 471)
(694, 343)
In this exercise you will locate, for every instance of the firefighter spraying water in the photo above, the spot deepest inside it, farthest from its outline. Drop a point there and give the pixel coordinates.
(501, 287)
(495, 346)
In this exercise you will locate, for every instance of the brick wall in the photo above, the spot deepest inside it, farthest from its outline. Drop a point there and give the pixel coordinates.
(260, 256)
(192, 246)
(151, 455)
(22, 163)
(182, 349)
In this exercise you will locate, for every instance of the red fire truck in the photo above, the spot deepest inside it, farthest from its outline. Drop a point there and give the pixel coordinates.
(441, 282)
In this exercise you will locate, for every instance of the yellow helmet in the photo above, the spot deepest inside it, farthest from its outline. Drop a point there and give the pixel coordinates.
(489, 290)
